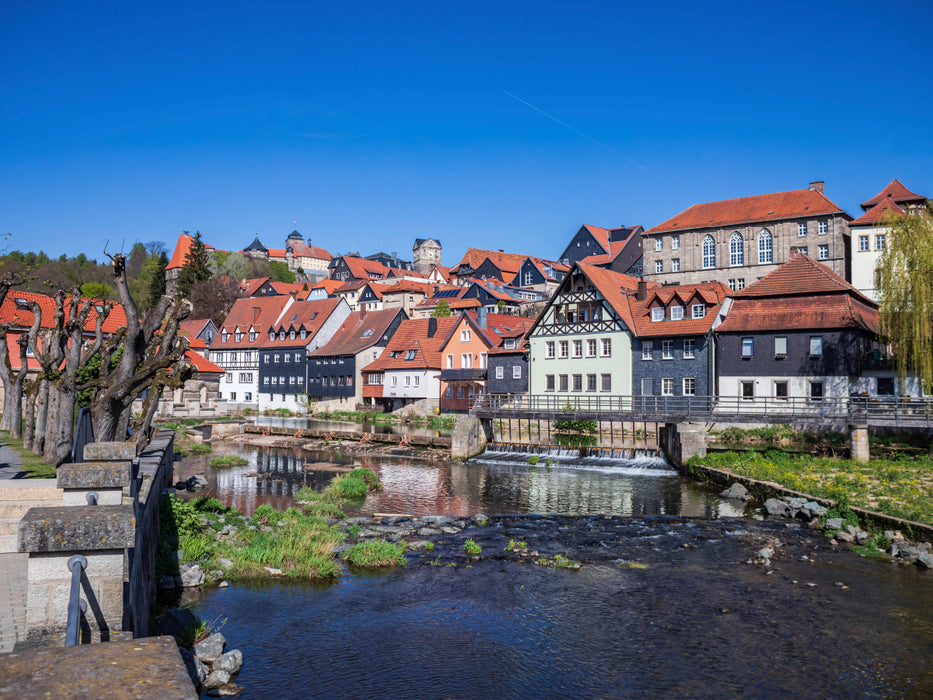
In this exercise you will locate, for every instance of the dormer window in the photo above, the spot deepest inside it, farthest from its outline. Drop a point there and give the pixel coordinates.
(410, 354)
(291, 335)
(271, 336)
(657, 313)
(237, 337)
(252, 336)
(509, 343)
(699, 310)
(224, 337)
(304, 334)
(282, 335)
(677, 313)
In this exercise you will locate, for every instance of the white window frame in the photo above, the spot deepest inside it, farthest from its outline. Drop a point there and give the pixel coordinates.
(675, 264)
(675, 242)
(647, 349)
(657, 314)
(709, 252)
(516, 371)
(698, 311)
(750, 346)
(822, 252)
(801, 229)
(667, 349)
(736, 250)
(765, 247)
(689, 349)
(550, 350)
(677, 312)
(689, 387)
(667, 386)
(823, 228)
(658, 267)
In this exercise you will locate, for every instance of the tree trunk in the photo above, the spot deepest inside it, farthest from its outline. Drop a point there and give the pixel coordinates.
(29, 417)
(42, 413)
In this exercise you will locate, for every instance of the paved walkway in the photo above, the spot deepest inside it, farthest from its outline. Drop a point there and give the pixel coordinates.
(13, 585)
(10, 463)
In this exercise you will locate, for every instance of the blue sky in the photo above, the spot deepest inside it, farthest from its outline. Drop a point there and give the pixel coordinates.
(498, 125)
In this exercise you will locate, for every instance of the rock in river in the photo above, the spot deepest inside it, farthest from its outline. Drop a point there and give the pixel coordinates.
(736, 491)
(229, 662)
(209, 649)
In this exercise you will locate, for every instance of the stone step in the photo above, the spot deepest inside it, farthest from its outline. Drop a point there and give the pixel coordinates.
(7, 543)
(30, 490)
(11, 509)
(9, 526)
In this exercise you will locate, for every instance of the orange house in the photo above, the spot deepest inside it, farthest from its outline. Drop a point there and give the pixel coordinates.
(464, 355)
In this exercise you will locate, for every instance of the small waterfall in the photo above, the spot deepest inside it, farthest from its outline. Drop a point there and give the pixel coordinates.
(632, 461)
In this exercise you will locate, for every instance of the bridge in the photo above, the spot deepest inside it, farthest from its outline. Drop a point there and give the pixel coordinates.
(890, 412)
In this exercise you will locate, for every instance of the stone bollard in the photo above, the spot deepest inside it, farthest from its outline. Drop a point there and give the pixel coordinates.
(858, 443)
(109, 480)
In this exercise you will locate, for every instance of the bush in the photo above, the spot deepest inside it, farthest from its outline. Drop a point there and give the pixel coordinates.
(471, 548)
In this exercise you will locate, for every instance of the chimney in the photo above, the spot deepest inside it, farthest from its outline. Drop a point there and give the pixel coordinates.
(255, 314)
(432, 327)
(362, 311)
(481, 317)
(817, 185)
(642, 292)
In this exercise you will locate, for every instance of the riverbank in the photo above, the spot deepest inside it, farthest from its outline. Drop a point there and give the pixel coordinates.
(901, 488)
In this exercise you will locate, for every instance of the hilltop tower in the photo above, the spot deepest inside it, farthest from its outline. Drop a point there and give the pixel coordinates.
(426, 253)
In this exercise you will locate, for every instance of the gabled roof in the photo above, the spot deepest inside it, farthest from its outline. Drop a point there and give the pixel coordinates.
(190, 328)
(876, 215)
(257, 312)
(497, 326)
(422, 241)
(424, 336)
(403, 287)
(615, 288)
(474, 257)
(712, 294)
(600, 234)
(310, 315)
(248, 287)
(361, 268)
(442, 271)
(288, 287)
(329, 286)
(800, 294)
(541, 265)
(755, 209)
(303, 250)
(801, 274)
(277, 253)
(360, 330)
(13, 314)
(896, 191)
(202, 364)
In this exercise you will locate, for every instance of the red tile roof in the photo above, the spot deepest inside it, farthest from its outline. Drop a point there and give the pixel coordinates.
(360, 330)
(876, 215)
(800, 294)
(202, 364)
(191, 327)
(248, 287)
(413, 335)
(758, 208)
(474, 257)
(309, 315)
(801, 274)
(257, 312)
(181, 252)
(615, 288)
(362, 269)
(277, 254)
(329, 286)
(288, 287)
(712, 294)
(14, 315)
(600, 234)
(896, 191)
(304, 250)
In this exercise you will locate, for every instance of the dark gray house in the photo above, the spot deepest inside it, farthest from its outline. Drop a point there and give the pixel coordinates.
(801, 332)
(507, 365)
(674, 351)
(618, 249)
(283, 348)
(335, 369)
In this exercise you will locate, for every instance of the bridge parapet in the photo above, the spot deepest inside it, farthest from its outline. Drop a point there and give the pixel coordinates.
(118, 538)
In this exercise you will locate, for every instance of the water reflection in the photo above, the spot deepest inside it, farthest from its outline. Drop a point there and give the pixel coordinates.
(350, 426)
(628, 487)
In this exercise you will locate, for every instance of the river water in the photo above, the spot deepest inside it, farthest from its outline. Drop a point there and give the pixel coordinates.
(663, 606)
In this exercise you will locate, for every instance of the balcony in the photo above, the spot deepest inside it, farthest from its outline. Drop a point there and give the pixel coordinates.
(877, 360)
(463, 375)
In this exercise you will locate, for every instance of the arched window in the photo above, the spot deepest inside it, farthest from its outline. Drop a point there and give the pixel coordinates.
(709, 253)
(736, 250)
(765, 250)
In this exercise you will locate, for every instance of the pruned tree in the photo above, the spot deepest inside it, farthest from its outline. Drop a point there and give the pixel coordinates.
(905, 291)
(151, 347)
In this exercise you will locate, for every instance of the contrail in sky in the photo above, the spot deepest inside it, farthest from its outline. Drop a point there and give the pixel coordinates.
(576, 131)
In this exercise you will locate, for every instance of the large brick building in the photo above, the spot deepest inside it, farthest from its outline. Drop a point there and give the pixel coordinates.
(739, 241)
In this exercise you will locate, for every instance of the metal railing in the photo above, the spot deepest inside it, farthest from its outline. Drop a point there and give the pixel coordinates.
(76, 605)
(894, 411)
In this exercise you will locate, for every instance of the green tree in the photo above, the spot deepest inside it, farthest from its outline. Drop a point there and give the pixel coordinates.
(197, 267)
(442, 310)
(96, 290)
(156, 268)
(905, 292)
(280, 272)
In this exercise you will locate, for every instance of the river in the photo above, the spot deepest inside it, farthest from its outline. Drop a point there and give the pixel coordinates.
(663, 605)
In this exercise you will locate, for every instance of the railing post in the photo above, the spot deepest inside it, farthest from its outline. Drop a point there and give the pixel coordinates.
(76, 565)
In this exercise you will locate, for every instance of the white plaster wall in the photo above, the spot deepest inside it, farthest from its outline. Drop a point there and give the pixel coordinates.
(429, 386)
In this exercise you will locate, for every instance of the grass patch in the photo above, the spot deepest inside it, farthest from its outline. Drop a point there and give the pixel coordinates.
(428, 546)
(375, 554)
(471, 548)
(34, 466)
(200, 449)
(534, 459)
(517, 546)
(902, 487)
(559, 561)
(228, 461)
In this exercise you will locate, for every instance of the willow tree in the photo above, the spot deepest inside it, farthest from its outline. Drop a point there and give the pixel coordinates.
(905, 291)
